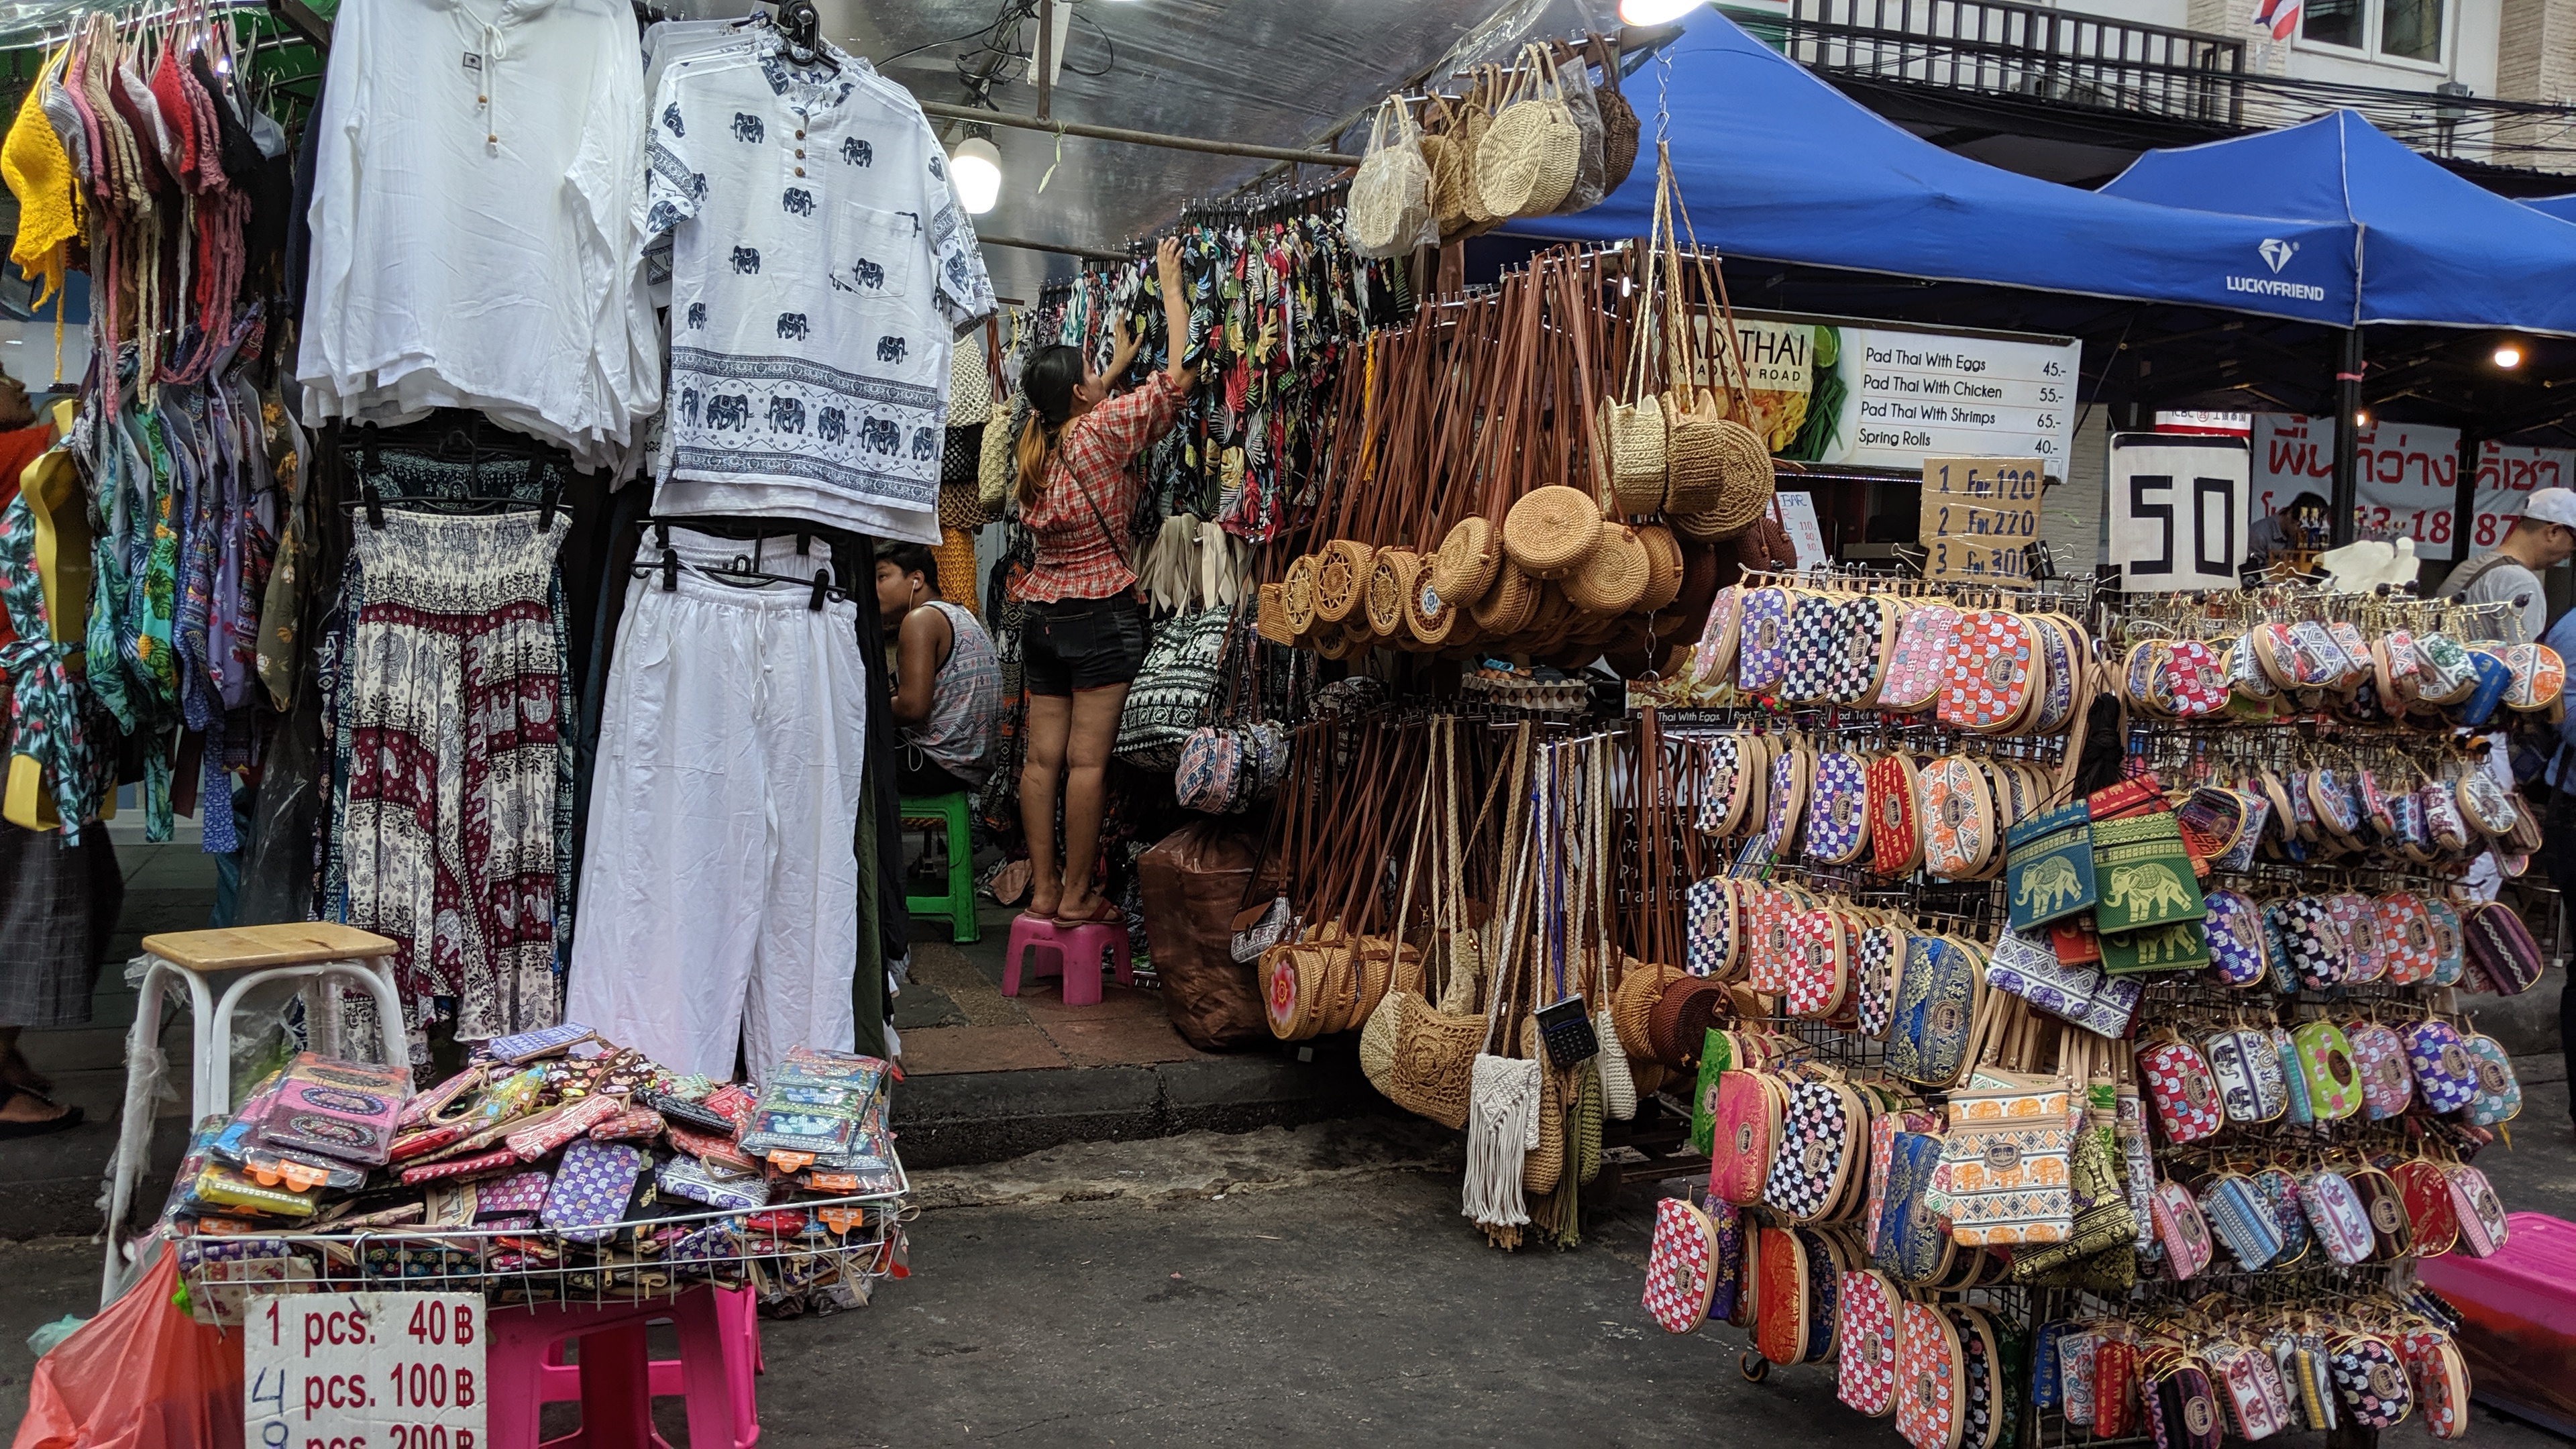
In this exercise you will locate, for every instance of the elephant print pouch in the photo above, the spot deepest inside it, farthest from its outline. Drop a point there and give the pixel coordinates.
(1713, 657)
(1838, 818)
(1710, 912)
(1866, 1341)
(1868, 638)
(1989, 679)
(1813, 650)
(1812, 1155)
(1931, 1379)
(2248, 1074)
(2048, 870)
(1680, 1267)
(1874, 969)
(2335, 1211)
(2445, 1075)
(2179, 1083)
(2480, 1212)
(2234, 927)
(1762, 655)
(2144, 874)
(2379, 1054)
(2405, 931)
(2182, 1230)
(1920, 665)
(2499, 1097)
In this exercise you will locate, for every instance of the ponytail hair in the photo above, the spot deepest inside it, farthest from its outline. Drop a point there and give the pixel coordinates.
(1048, 383)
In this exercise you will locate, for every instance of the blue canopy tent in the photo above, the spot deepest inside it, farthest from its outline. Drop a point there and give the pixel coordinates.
(1776, 165)
(2561, 207)
(2436, 249)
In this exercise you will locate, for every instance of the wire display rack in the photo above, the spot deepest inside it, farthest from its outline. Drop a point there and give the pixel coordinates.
(826, 1253)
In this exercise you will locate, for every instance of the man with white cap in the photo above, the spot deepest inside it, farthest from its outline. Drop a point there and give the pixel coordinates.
(2544, 536)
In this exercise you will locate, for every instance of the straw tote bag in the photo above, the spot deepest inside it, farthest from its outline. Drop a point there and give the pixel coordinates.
(1527, 162)
(1574, 82)
(1390, 201)
(1746, 477)
(1634, 432)
(1618, 119)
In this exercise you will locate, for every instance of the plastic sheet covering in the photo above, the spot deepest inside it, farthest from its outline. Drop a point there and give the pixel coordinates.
(141, 1375)
(1271, 72)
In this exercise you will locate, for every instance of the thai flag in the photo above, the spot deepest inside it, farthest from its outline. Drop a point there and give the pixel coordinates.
(2281, 15)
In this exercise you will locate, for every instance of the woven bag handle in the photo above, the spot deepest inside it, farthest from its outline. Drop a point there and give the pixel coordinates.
(1576, 320)
(1402, 980)
(1511, 911)
(1738, 383)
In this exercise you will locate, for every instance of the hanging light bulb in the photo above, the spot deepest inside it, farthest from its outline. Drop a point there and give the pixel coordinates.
(1654, 12)
(2508, 354)
(976, 167)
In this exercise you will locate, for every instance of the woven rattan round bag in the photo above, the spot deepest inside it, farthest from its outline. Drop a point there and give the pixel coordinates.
(1464, 567)
(1551, 530)
(1507, 607)
(1527, 161)
(1612, 579)
(1341, 579)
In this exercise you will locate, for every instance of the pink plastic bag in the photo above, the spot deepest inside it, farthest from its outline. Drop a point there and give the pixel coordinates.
(141, 1375)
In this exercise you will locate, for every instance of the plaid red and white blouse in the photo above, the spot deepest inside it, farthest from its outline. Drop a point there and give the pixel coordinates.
(1091, 492)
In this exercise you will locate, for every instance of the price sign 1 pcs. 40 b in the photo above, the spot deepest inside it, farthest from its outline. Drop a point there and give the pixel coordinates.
(2178, 504)
(364, 1371)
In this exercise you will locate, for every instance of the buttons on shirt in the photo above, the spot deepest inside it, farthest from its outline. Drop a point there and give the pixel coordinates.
(800, 170)
(800, 153)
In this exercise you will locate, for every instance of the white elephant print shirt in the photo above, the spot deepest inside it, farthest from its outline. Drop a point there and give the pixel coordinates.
(820, 268)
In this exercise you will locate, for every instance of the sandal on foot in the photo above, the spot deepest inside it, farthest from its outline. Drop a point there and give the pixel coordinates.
(67, 1119)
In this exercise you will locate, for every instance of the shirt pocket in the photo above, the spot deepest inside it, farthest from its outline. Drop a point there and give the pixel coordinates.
(876, 255)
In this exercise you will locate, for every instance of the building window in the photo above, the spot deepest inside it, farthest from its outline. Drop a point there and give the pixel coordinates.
(2334, 22)
(2393, 29)
(2411, 29)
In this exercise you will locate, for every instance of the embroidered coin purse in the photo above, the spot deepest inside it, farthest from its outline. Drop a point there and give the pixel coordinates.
(2342, 1224)
(1895, 834)
(2182, 1230)
(1869, 626)
(2430, 1215)
(2481, 1214)
(591, 1188)
(1813, 651)
(1958, 818)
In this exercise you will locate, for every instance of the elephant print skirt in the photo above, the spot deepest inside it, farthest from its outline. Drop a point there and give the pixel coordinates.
(450, 706)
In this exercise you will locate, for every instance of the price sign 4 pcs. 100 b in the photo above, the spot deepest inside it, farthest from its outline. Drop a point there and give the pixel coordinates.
(365, 1371)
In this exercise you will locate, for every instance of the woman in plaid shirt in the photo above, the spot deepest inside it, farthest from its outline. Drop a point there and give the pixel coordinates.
(1085, 638)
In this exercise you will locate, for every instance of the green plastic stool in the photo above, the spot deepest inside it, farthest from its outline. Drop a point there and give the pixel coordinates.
(949, 813)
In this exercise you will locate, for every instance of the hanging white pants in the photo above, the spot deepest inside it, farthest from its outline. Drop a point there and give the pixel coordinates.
(720, 890)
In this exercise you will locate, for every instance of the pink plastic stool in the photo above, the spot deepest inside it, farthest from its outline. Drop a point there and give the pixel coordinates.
(615, 1382)
(1076, 953)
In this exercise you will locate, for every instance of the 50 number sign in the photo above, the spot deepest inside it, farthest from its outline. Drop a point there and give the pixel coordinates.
(2178, 510)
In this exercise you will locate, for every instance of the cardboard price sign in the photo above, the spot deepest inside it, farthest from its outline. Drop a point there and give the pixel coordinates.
(364, 1371)
(1978, 516)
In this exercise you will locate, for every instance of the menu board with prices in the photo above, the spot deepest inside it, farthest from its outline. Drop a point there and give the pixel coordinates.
(365, 1371)
(1979, 516)
(1856, 394)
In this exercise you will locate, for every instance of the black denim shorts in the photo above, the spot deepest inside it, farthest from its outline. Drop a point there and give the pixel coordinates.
(1077, 644)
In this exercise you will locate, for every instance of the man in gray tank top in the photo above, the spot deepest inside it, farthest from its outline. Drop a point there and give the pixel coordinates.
(947, 683)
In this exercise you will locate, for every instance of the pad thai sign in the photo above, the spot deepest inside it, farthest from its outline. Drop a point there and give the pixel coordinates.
(1823, 391)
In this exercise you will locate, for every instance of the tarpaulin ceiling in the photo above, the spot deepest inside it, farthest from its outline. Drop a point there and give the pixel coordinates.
(1774, 163)
(2561, 207)
(1269, 72)
(2434, 250)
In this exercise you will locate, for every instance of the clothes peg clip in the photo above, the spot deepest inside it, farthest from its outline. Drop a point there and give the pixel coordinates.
(670, 572)
(822, 584)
